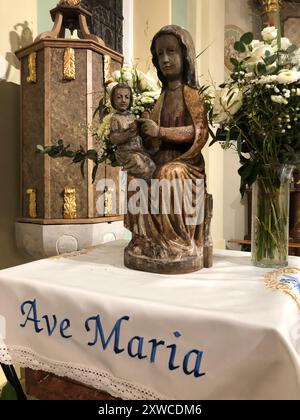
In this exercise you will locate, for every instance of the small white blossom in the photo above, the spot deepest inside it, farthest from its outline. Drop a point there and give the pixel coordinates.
(288, 76)
(279, 99)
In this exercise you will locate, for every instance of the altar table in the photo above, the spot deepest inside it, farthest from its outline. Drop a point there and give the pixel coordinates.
(218, 333)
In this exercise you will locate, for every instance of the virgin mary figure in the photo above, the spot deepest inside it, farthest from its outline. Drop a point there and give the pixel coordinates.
(172, 241)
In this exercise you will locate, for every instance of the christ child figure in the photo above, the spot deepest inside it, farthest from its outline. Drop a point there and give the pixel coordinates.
(124, 133)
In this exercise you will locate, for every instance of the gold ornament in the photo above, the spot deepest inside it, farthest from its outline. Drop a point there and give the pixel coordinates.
(31, 192)
(271, 6)
(32, 77)
(107, 70)
(108, 201)
(69, 2)
(70, 208)
(69, 64)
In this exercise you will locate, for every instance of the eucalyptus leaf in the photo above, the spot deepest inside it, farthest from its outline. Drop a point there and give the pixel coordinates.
(234, 62)
(239, 46)
(82, 168)
(39, 148)
(271, 59)
(247, 38)
(261, 68)
(292, 48)
(95, 169)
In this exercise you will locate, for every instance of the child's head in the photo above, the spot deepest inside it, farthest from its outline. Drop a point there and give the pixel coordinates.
(121, 97)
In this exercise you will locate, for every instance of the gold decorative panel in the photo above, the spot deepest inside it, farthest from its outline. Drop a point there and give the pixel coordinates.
(70, 208)
(107, 70)
(32, 78)
(69, 64)
(32, 207)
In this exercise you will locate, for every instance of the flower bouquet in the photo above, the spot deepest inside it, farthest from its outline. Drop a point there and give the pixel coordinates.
(146, 90)
(257, 112)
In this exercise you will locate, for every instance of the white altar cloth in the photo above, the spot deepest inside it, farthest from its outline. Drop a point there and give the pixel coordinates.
(245, 337)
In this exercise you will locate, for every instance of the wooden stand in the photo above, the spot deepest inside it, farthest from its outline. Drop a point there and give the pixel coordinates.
(46, 386)
(62, 83)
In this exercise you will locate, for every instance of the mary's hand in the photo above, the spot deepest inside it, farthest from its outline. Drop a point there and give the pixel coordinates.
(149, 127)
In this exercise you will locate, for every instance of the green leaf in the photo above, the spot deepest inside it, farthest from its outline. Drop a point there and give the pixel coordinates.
(261, 68)
(82, 168)
(239, 46)
(292, 48)
(95, 169)
(247, 38)
(270, 60)
(39, 149)
(234, 62)
(79, 157)
(227, 142)
(92, 155)
(69, 154)
(54, 151)
(239, 144)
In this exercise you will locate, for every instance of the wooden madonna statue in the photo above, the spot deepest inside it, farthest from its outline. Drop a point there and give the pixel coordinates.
(171, 242)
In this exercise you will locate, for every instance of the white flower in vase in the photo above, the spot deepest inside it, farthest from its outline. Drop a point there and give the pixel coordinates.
(288, 76)
(269, 33)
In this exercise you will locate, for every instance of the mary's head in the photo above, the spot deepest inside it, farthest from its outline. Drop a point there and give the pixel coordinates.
(173, 55)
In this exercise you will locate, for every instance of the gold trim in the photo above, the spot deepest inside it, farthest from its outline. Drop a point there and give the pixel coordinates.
(70, 207)
(108, 201)
(107, 70)
(32, 75)
(271, 280)
(69, 2)
(32, 206)
(69, 64)
(270, 6)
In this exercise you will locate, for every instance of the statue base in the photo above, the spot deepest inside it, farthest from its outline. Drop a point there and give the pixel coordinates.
(143, 263)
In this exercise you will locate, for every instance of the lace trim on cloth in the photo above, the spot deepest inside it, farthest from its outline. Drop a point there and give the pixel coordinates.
(97, 379)
(287, 280)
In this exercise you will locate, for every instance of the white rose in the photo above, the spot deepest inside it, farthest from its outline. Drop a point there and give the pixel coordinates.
(257, 56)
(288, 76)
(298, 92)
(116, 75)
(128, 78)
(147, 82)
(255, 44)
(279, 99)
(269, 33)
(3, 67)
(285, 43)
(227, 103)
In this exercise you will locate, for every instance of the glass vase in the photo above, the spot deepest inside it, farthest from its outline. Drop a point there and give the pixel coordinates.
(270, 217)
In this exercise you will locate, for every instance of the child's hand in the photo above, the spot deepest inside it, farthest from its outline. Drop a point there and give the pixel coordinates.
(132, 130)
(149, 127)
